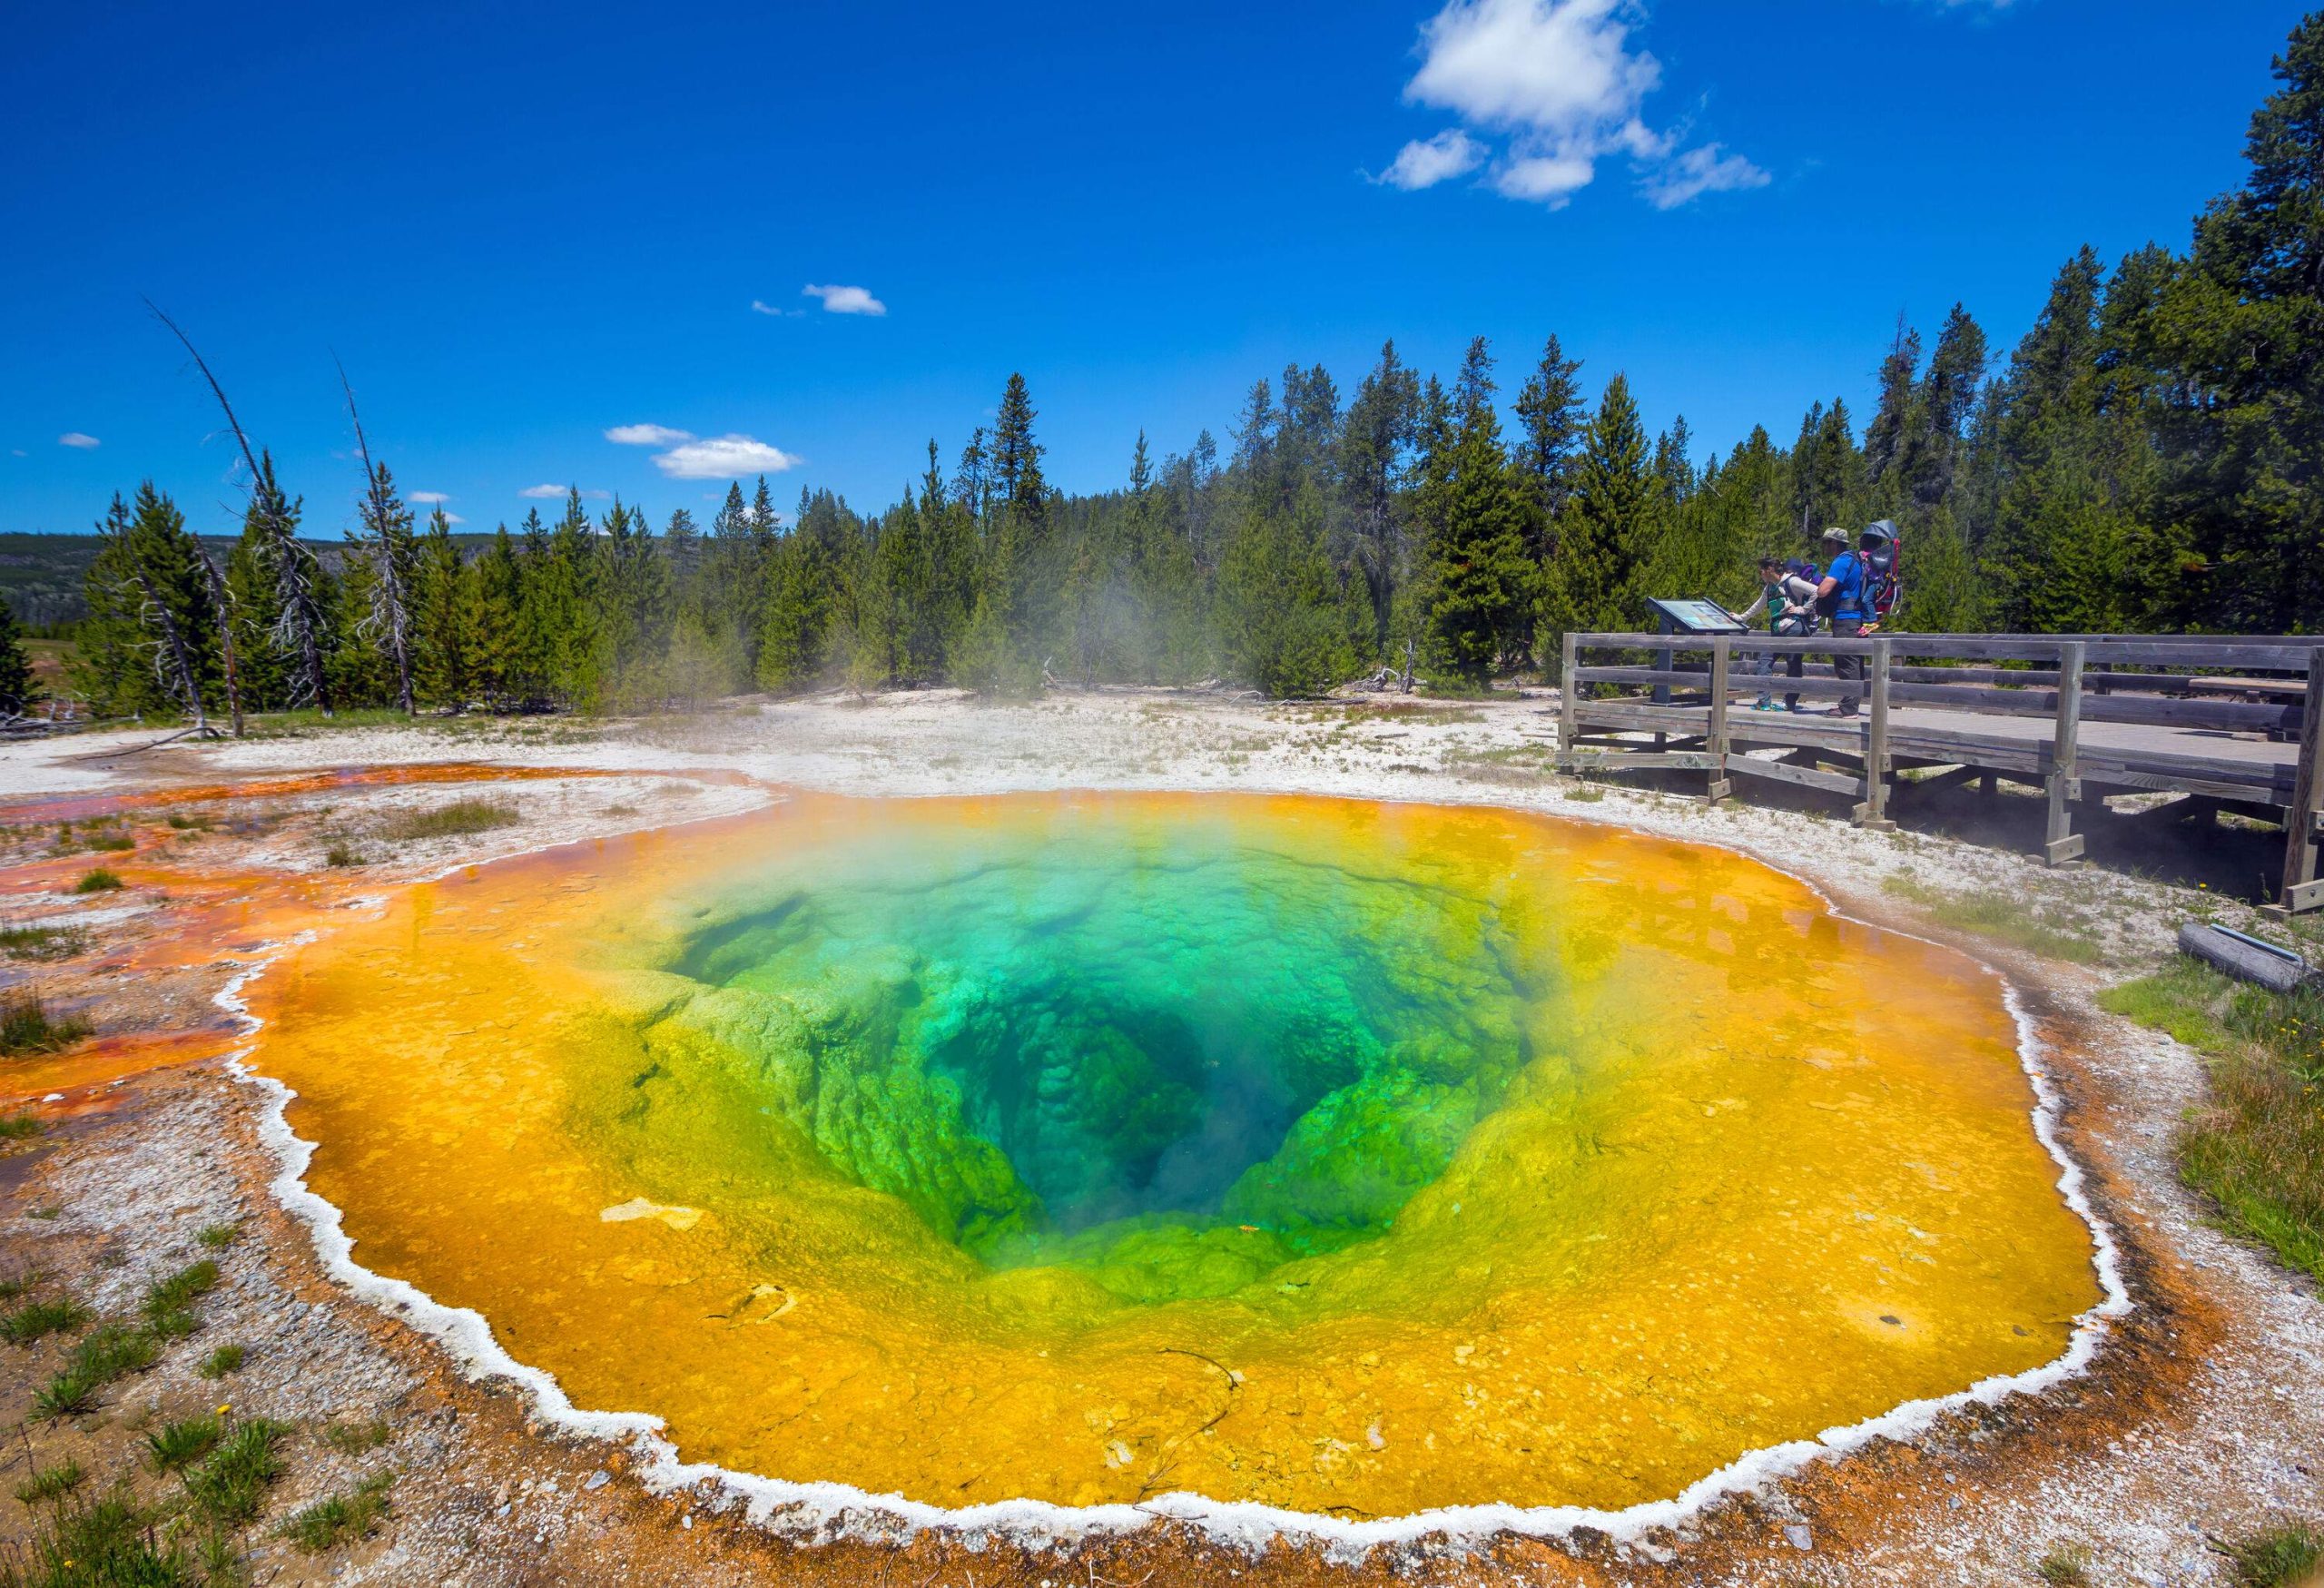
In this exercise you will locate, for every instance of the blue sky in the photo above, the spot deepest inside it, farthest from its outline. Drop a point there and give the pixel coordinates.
(522, 228)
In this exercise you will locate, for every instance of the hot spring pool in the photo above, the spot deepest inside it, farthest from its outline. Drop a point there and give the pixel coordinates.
(1350, 1159)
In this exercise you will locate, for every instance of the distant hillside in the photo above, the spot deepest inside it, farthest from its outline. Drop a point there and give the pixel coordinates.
(41, 575)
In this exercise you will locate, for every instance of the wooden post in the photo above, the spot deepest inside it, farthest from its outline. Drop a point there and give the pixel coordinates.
(2064, 845)
(1873, 811)
(1565, 707)
(2302, 888)
(1715, 742)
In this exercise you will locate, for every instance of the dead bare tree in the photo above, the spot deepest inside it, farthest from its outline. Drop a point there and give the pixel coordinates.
(388, 526)
(301, 625)
(173, 662)
(220, 600)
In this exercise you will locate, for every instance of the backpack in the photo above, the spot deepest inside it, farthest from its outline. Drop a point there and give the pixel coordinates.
(1884, 576)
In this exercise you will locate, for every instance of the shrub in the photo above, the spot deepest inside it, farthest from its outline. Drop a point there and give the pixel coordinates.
(99, 881)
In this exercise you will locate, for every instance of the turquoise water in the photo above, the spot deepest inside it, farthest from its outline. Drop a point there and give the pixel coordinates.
(1171, 1056)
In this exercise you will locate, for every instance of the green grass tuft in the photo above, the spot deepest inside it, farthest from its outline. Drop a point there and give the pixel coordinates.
(231, 1485)
(26, 1026)
(355, 1438)
(180, 1444)
(37, 1320)
(19, 1128)
(51, 1482)
(2284, 1557)
(2066, 1566)
(180, 1290)
(225, 1359)
(99, 881)
(327, 1524)
(42, 943)
(218, 1237)
(109, 1353)
(458, 820)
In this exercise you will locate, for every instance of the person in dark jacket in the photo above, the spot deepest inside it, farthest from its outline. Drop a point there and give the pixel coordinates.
(1844, 595)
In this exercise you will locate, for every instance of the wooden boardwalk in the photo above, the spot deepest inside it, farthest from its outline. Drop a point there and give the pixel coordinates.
(2226, 721)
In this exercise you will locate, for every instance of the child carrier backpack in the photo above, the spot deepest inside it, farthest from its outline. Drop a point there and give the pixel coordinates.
(1883, 572)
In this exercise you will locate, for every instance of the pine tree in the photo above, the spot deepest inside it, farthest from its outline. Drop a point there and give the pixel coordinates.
(1553, 416)
(17, 692)
(1614, 517)
(441, 617)
(1482, 588)
(2241, 329)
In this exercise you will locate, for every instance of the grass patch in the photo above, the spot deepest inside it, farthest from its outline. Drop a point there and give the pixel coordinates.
(188, 1285)
(2041, 929)
(101, 1544)
(2282, 1557)
(327, 1524)
(355, 1438)
(168, 1306)
(191, 824)
(230, 1486)
(43, 943)
(26, 1026)
(37, 1321)
(53, 1482)
(99, 881)
(217, 1238)
(109, 1353)
(19, 1127)
(456, 820)
(2257, 1148)
(110, 842)
(341, 853)
(2066, 1566)
(225, 1359)
(20, 1283)
(180, 1444)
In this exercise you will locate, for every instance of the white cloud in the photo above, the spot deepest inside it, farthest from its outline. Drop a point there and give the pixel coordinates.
(1560, 83)
(845, 299)
(19, 451)
(1425, 162)
(1699, 172)
(647, 435)
(542, 493)
(428, 499)
(722, 458)
(75, 439)
(454, 519)
(760, 306)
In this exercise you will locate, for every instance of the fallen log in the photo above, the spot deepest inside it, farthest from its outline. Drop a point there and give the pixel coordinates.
(2247, 959)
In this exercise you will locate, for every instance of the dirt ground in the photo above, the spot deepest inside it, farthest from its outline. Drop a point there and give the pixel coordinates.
(2202, 1419)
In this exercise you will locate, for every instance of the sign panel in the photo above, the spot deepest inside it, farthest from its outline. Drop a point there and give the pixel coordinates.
(1695, 617)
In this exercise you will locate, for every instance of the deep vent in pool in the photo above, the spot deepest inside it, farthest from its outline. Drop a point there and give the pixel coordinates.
(1141, 1042)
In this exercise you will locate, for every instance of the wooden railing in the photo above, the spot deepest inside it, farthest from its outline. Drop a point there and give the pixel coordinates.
(2171, 687)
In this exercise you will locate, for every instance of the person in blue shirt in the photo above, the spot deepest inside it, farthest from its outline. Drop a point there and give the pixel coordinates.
(1845, 596)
